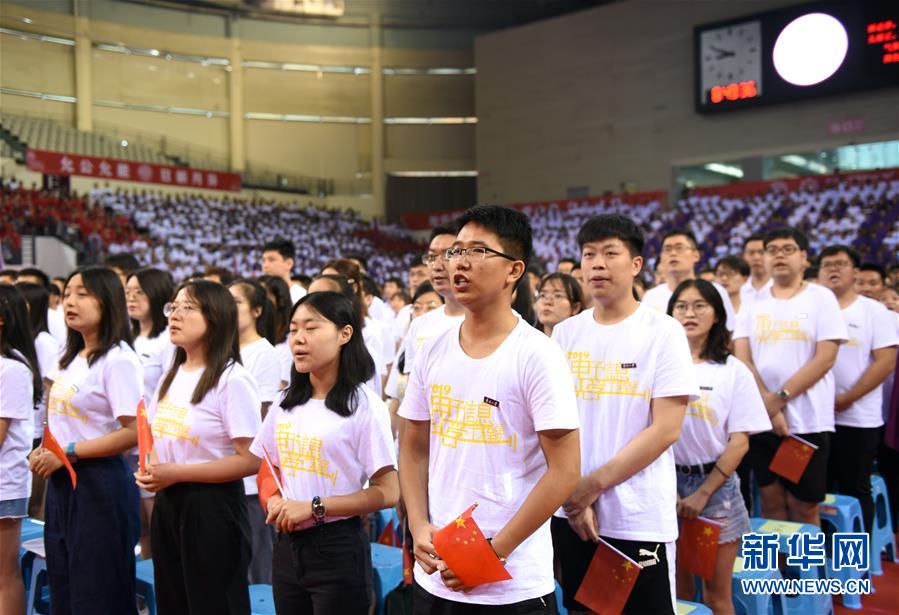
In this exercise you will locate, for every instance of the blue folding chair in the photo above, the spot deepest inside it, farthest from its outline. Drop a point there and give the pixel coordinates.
(144, 585)
(752, 604)
(842, 513)
(882, 537)
(262, 602)
(387, 568)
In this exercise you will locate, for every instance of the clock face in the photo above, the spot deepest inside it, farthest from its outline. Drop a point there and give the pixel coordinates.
(731, 57)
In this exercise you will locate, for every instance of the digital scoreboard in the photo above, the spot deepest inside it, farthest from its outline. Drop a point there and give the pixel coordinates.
(795, 53)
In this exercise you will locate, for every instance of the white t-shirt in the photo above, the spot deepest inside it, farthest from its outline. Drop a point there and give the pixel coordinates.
(86, 401)
(871, 326)
(297, 292)
(729, 402)
(425, 327)
(320, 453)
(56, 323)
(260, 358)
(617, 371)
(657, 298)
(484, 447)
(783, 334)
(749, 294)
(48, 350)
(195, 433)
(382, 339)
(401, 322)
(16, 404)
(382, 312)
(285, 359)
(156, 357)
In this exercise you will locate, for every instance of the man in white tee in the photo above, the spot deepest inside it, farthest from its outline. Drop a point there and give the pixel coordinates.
(863, 364)
(680, 253)
(633, 376)
(789, 339)
(277, 261)
(490, 417)
(759, 283)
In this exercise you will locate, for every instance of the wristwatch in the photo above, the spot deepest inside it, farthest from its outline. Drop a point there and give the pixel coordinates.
(784, 394)
(502, 560)
(71, 455)
(318, 511)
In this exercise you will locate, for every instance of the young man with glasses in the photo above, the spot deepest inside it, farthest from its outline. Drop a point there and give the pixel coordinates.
(679, 255)
(633, 377)
(759, 283)
(490, 417)
(862, 366)
(789, 339)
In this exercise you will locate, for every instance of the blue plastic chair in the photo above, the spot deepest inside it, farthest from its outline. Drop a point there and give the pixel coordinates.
(752, 604)
(382, 518)
(882, 537)
(842, 513)
(692, 608)
(34, 602)
(262, 602)
(561, 607)
(144, 585)
(796, 605)
(387, 569)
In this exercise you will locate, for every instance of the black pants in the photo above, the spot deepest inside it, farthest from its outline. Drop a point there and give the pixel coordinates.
(200, 537)
(323, 570)
(851, 464)
(89, 538)
(424, 603)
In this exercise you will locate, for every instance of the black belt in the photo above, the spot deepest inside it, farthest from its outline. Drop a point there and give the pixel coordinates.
(688, 470)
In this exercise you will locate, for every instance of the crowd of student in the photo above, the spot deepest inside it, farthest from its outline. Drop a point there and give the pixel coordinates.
(571, 407)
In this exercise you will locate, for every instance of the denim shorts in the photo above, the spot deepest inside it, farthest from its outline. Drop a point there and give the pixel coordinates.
(14, 509)
(726, 505)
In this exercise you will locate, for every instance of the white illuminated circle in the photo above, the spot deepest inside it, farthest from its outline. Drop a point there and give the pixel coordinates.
(810, 49)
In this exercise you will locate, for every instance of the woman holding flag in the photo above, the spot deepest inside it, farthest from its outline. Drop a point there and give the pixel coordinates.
(713, 440)
(92, 521)
(329, 436)
(204, 416)
(20, 392)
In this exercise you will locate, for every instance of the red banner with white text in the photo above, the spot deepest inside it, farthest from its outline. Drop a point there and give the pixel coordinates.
(428, 220)
(811, 182)
(60, 163)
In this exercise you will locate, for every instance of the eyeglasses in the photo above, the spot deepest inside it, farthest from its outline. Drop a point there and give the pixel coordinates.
(170, 309)
(554, 297)
(835, 265)
(787, 250)
(477, 253)
(726, 274)
(430, 259)
(678, 248)
(424, 307)
(699, 308)
(136, 293)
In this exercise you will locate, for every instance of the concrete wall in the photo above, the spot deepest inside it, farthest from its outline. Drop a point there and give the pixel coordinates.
(604, 98)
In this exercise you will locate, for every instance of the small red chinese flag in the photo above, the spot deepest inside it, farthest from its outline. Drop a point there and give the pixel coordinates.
(144, 437)
(697, 546)
(267, 481)
(792, 458)
(609, 580)
(462, 545)
(388, 536)
(53, 446)
(408, 564)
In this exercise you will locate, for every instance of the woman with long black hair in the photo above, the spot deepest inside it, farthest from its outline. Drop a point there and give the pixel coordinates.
(20, 391)
(329, 437)
(204, 415)
(715, 435)
(91, 531)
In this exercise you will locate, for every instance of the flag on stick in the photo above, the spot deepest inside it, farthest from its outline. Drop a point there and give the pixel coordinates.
(609, 580)
(50, 443)
(792, 458)
(144, 437)
(267, 481)
(697, 546)
(462, 545)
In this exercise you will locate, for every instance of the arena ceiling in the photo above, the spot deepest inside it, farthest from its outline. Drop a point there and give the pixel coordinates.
(485, 15)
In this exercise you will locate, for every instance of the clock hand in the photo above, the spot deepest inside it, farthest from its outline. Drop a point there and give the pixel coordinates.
(722, 53)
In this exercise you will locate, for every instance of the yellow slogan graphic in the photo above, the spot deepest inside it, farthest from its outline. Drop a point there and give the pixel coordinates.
(770, 331)
(598, 378)
(59, 402)
(301, 453)
(457, 420)
(701, 409)
(170, 421)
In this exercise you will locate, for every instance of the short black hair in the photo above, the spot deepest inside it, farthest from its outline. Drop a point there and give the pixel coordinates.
(303, 279)
(9, 273)
(125, 262)
(225, 276)
(35, 273)
(787, 232)
(874, 267)
(608, 226)
(840, 249)
(443, 229)
(282, 246)
(680, 232)
(734, 262)
(753, 237)
(398, 281)
(510, 225)
(811, 273)
(369, 286)
(536, 270)
(568, 260)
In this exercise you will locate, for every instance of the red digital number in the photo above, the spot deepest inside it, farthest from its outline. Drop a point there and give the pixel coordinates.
(734, 91)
